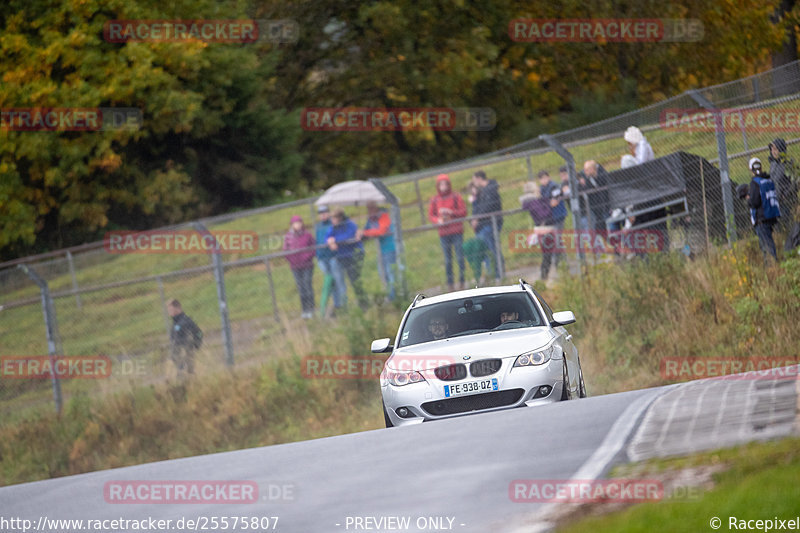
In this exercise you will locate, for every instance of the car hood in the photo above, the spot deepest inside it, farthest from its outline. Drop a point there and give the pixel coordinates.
(507, 343)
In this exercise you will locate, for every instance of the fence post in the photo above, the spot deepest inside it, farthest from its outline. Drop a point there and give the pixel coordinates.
(722, 151)
(219, 277)
(498, 249)
(74, 279)
(574, 203)
(51, 330)
(419, 202)
(398, 234)
(271, 289)
(161, 295)
(530, 168)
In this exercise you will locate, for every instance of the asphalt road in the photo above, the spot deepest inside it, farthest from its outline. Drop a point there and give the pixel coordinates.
(451, 475)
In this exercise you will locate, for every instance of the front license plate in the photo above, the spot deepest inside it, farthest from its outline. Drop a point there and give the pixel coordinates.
(470, 387)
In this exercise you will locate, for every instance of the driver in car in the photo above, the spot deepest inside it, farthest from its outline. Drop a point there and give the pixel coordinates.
(438, 327)
(509, 316)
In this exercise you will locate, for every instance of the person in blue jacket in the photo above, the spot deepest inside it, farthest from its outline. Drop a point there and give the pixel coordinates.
(326, 259)
(342, 238)
(764, 208)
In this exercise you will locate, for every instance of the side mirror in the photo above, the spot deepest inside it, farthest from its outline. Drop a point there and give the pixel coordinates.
(382, 345)
(563, 318)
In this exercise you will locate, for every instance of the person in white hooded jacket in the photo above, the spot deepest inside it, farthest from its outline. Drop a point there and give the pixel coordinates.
(638, 146)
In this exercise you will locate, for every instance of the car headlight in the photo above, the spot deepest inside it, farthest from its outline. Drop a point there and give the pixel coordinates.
(399, 378)
(534, 358)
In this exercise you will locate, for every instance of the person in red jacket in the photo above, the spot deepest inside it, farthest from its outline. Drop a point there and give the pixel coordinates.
(445, 207)
(302, 262)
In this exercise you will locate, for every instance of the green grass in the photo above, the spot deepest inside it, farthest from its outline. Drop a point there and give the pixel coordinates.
(757, 481)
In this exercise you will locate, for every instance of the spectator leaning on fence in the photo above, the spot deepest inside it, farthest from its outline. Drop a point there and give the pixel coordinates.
(379, 225)
(597, 184)
(444, 207)
(551, 191)
(638, 146)
(764, 208)
(326, 259)
(302, 262)
(487, 200)
(184, 338)
(342, 239)
(783, 173)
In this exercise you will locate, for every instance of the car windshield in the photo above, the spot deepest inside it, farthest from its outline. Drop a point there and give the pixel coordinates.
(470, 316)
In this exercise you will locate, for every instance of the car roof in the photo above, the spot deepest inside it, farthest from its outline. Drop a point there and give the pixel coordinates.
(482, 291)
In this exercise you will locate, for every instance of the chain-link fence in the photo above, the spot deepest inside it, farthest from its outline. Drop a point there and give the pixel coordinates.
(109, 302)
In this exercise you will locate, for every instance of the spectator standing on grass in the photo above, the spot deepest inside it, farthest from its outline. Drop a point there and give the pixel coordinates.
(184, 338)
(379, 225)
(444, 207)
(783, 173)
(487, 200)
(597, 183)
(326, 259)
(302, 262)
(764, 208)
(342, 239)
(638, 146)
(552, 193)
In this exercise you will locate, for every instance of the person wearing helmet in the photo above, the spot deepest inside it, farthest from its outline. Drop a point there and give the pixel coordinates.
(764, 208)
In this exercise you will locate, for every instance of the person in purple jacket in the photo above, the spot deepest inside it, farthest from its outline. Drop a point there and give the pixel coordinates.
(302, 262)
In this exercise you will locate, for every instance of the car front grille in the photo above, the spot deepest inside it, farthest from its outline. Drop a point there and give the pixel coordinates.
(473, 402)
(451, 372)
(487, 367)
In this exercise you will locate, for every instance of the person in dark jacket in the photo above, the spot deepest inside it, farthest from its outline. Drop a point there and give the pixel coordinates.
(552, 193)
(184, 338)
(597, 191)
(764, 207)
(780, 171)
(302, 262)
(487, 200)
(444, 207)
(783, 173)
(342, 239)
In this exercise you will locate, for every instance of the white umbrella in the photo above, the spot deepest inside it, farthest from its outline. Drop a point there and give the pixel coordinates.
(355, 192)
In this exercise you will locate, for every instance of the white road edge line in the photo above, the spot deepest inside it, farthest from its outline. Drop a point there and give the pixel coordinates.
(595, 465)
